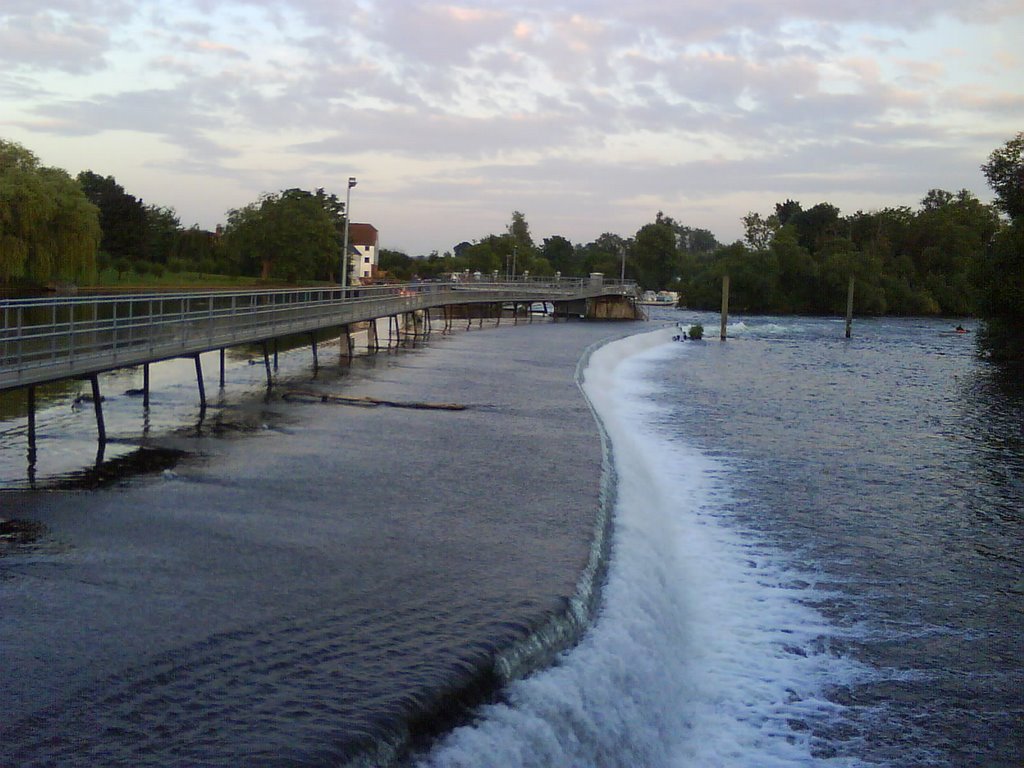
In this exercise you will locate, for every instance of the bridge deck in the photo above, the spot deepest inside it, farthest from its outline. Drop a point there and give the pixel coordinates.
(51, 339)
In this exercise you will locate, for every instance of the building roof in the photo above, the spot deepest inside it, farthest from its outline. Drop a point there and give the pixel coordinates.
(362, 234)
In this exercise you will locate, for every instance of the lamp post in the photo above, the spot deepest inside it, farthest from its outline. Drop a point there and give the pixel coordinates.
(348, 218)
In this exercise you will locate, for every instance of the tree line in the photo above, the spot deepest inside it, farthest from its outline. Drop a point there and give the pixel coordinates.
(55, 229)
(952, 255)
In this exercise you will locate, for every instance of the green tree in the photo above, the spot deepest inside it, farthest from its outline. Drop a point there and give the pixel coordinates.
(521, 244)
(199, 250)
(122, 217)
(999, 277)
(1005, 174)
(288, 235)
(815, 225)
(797, 287)
(49, 231)
(397, 265)
(162, 231)
(656, 255)
(758, 231)
(947, 237)
(561, 256)
(608, 254)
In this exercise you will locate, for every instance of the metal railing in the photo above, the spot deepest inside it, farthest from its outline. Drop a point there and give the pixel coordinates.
(52, 338)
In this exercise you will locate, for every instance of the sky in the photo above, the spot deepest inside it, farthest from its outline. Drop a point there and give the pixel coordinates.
(588, 116)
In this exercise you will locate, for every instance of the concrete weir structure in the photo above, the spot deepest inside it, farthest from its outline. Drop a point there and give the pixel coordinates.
(47, 340)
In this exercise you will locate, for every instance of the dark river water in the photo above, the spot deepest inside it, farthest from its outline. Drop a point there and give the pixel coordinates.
(813, 557)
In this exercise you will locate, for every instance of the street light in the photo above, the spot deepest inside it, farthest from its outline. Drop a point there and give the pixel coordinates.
(348, 218)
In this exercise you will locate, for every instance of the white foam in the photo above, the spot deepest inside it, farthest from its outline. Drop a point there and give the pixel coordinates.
(701, 656)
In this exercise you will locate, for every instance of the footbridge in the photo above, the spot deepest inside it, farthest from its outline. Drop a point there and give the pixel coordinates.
(51, 339)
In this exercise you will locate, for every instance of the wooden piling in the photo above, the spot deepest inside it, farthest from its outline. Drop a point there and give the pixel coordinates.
(97, 402)
(725, 305)
(145, 387)
(849, 307)
(222, 368)
(316, 359)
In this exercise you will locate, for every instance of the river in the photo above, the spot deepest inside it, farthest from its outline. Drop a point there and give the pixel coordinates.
(814, 557)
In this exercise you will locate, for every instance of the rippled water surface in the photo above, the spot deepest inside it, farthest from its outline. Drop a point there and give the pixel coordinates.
(892, 465)
(815, 556)
(295, 582)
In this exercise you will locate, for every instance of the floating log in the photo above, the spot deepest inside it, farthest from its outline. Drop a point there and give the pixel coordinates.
(304, 396)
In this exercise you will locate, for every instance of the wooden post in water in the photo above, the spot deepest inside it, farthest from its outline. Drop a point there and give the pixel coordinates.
(725, 305)
(222, 367)
(849, 307)
(316, 360)
(97, 403)
(145, 387)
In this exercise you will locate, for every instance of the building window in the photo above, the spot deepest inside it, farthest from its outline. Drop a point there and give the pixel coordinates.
(366, 260)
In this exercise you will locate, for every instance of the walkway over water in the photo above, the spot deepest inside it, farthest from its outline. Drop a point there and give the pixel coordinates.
(50, 339)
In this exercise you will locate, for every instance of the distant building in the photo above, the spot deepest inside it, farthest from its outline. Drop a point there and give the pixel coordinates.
(364, 249)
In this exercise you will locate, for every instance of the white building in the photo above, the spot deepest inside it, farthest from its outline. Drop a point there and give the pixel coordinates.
(364, 250)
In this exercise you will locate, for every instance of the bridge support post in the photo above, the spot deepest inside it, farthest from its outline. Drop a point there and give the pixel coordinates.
(222, 367)
(373, 337)
(316, 359)
(31, 426)
(346, 343)
(97, 404)
(725, 305)
(145, 387)
(275, 354)
(202, 385)
(266, 365)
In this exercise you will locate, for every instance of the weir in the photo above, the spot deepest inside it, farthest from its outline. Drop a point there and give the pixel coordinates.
(79, 337)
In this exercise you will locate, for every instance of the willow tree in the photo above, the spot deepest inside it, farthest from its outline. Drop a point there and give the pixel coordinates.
(49, 231)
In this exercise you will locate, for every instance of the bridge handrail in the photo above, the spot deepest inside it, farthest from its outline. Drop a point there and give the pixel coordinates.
(61, 332)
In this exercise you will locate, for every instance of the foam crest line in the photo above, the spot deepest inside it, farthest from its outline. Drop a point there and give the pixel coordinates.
(699, 654)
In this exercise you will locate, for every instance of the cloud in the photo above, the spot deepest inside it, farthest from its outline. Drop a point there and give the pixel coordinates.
(46, 40)
(574, 109)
